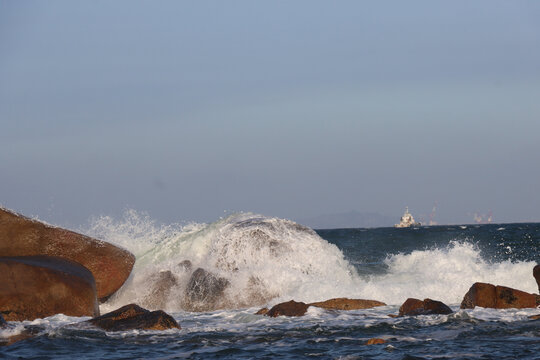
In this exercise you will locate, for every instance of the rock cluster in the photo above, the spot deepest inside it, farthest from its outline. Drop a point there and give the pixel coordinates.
(294, 308)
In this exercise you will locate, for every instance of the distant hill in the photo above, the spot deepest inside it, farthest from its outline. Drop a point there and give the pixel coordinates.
(352, 219)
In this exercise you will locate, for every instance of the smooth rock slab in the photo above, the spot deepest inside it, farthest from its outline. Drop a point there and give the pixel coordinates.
(498, 297)
(21, 236)
(134, 317)
(41, 286)
(347, 304)
(413, 307)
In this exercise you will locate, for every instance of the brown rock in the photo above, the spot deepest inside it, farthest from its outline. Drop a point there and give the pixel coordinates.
(262, 311)
(347, 304)
(134, 317)
(536, 274)
(21, 236)
(498, 297)
(40, 286)
(375, 341)
(413, 307)
(535, 317)
(289, 308)
(204, 291)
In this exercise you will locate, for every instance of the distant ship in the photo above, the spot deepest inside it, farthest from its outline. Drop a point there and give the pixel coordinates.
(407, 220)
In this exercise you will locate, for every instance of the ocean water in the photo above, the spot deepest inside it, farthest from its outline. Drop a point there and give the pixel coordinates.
(268, 260)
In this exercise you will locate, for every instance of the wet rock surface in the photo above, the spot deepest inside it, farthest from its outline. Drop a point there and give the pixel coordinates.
(289, 308)
(109, 264)
(41, 286)
(498, 297)
(347, 304)
(134, 317)
(413, 307)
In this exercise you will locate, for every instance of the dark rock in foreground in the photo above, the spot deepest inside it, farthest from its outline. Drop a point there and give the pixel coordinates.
(536, 274)
(41, 286)
(289, 308)
(134, 317)
(21, 236)
(498, 297)
(347, 304)
(204, 291)
(413, 307)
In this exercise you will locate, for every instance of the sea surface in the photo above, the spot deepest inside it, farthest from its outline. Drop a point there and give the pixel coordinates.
(269, 260)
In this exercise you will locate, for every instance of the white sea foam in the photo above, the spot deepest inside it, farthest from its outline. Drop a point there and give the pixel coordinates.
(267, 260)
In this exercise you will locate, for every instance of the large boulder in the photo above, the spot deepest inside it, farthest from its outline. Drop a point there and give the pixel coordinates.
(134, 317)
(21, 236)
(413, 307)
(498, 297)
(347, 304)
(40, 286)
(289, 308)
(204, 291)
(536, 274)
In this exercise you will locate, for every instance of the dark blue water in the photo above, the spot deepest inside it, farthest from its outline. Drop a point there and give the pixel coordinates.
(505, 253)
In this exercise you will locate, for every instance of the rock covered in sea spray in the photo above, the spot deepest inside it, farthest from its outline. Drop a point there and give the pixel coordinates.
(205, 291)
(244, 260)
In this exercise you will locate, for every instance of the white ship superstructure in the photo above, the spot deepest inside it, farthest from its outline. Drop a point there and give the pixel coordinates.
(407, 220)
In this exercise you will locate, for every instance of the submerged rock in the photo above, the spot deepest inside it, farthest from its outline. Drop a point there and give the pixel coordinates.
(204, 291)
(41, 286)
(498, 297)
(536, 274)
(347, 304)
(375, 341)
(21, 236)
(413, 307)
(134, 317)
(289, 308)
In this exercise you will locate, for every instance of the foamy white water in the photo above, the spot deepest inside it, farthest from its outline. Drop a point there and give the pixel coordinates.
(267, 260)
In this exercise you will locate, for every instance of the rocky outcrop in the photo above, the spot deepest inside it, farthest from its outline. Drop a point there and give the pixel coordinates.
(536, 274)
(413, 307)
(134, 317)
(347, 304)
(40, 286)
(21, 236)
(498, 297)
(289, 308)
(204, 291)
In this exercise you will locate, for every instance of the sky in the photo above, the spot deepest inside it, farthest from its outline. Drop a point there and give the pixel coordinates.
(188, 111)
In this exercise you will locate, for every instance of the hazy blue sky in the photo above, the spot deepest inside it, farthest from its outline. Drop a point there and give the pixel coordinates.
(286, 108)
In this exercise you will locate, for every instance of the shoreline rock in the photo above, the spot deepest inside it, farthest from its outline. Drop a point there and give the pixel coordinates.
(41, 286)
(498, 297)
(134, 317)
(109, 264)
(289, 308)
(413, 307)
(347, 304)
